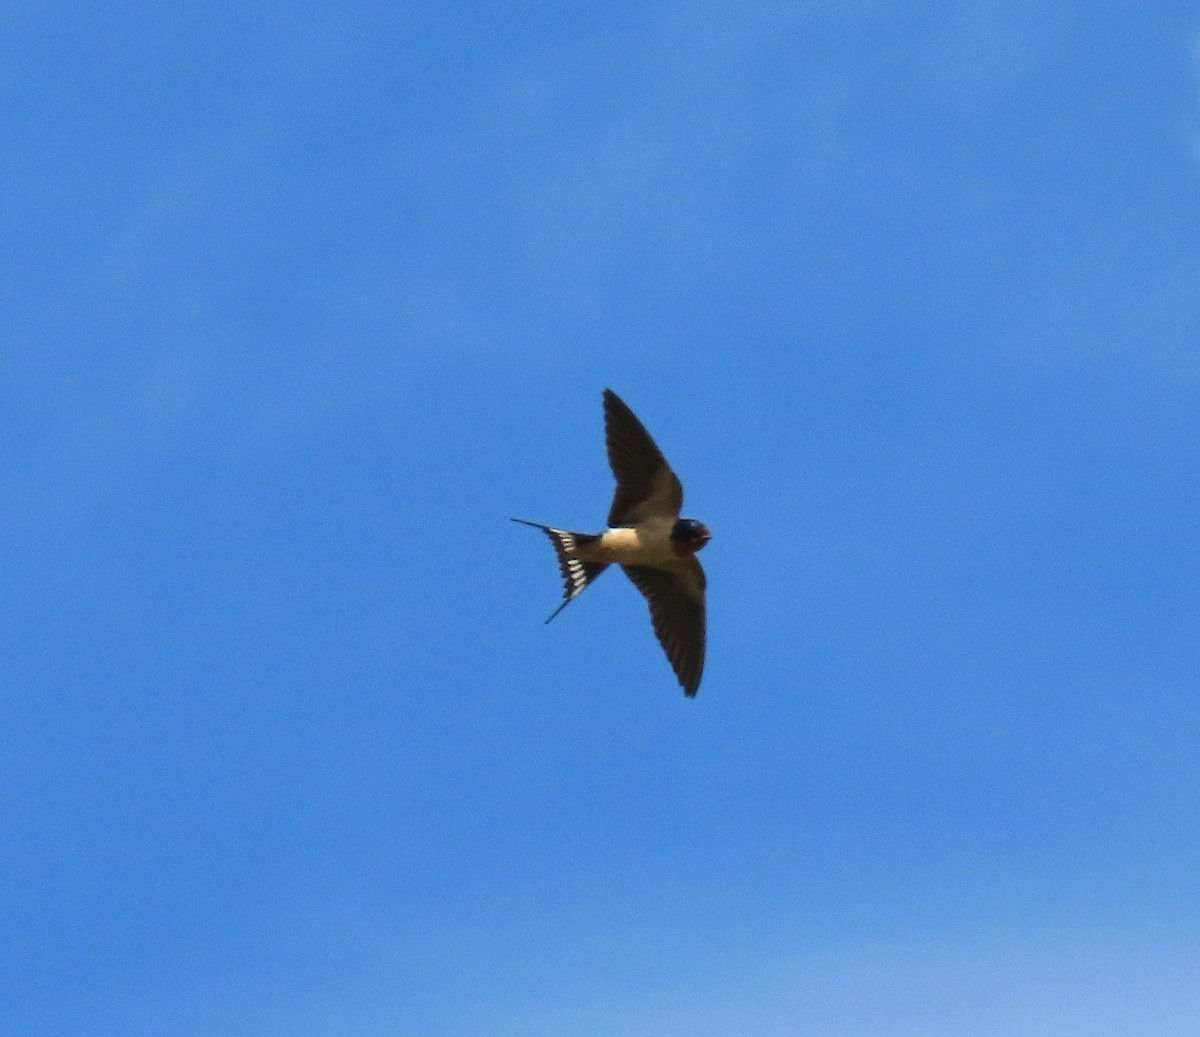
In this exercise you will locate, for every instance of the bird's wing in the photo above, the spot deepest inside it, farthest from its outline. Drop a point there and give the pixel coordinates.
(646, 485)
(676, 598)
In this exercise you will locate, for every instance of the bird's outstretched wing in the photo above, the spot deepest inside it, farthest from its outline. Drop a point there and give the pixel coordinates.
(646, 486)
(676, 598)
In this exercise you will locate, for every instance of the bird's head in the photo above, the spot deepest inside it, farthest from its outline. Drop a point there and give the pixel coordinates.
(688, 536)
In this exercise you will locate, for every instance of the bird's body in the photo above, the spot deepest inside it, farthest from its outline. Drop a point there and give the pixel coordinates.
(647, 543)
(647, 538)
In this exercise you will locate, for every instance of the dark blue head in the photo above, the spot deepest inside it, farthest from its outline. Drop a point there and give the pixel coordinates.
(688, 536)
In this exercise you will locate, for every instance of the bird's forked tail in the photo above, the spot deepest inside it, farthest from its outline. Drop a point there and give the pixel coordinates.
(576, 573)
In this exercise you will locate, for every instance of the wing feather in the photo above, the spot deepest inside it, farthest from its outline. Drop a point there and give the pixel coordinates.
(676, 600)
(646, 485)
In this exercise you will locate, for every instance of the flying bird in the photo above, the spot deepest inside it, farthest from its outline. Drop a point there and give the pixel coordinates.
(646, 538)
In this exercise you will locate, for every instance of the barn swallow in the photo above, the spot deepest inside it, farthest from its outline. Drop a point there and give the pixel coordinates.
(646, 538)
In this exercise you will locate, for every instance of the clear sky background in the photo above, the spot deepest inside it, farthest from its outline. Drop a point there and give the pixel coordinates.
(302, 301)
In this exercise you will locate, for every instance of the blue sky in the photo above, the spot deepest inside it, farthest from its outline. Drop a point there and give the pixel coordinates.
(302, 302)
